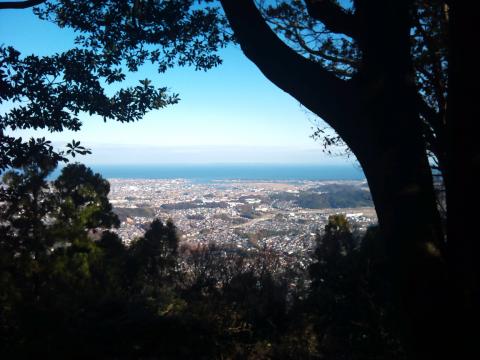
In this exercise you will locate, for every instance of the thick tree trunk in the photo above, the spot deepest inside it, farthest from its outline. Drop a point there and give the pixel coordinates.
(393, 156)
(463, 171)
(411, 230)
(376, 115)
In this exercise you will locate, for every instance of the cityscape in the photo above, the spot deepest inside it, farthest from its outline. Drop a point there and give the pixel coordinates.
(240, 214)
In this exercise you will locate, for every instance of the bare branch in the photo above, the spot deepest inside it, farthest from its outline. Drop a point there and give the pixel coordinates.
(19, 4)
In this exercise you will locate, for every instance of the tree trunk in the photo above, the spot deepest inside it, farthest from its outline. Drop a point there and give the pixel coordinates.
(376, 115)
(463, 171)
(393, 156)
(411, 230)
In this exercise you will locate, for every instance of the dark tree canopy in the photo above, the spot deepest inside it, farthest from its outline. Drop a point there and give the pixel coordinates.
(37, 215)
(156, 253)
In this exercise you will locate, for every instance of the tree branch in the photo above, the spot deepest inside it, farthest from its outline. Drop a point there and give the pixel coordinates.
(314, 87)
(19, 4)
(334, 17)
(306, 48)
(435, 77)
(336, 59)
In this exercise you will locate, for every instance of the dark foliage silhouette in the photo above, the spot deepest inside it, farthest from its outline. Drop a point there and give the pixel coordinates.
(71, 288)
(114, 37)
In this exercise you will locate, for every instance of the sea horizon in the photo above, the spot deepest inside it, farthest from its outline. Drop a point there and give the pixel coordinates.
(225, 171)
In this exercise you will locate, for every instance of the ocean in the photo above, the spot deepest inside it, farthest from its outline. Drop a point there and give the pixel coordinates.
(209, 172)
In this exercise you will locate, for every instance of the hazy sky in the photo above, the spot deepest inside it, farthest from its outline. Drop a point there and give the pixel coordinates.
(229, 114)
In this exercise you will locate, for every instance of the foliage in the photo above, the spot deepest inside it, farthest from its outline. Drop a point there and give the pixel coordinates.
(311, 38)
(154, 299)
(349, 295)
(340, 54)
(154, 257)
(33, 209)
(65, 281)
(46, 246)
(51, 92)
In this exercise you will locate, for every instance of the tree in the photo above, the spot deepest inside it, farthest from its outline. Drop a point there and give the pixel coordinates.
(50, 92)
(82, 200)
(340, 55)
(36, 216)
(51, 266)
(378, 114)
(46, 230)
(154, 257)
(348, 294)
(463, 169)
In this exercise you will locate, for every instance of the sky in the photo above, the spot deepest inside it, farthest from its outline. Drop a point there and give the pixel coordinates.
(230, 114)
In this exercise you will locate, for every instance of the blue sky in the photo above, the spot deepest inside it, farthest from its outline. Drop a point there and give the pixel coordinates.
(229, 114)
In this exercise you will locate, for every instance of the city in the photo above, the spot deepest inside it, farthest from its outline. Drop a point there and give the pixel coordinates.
(245, 215)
